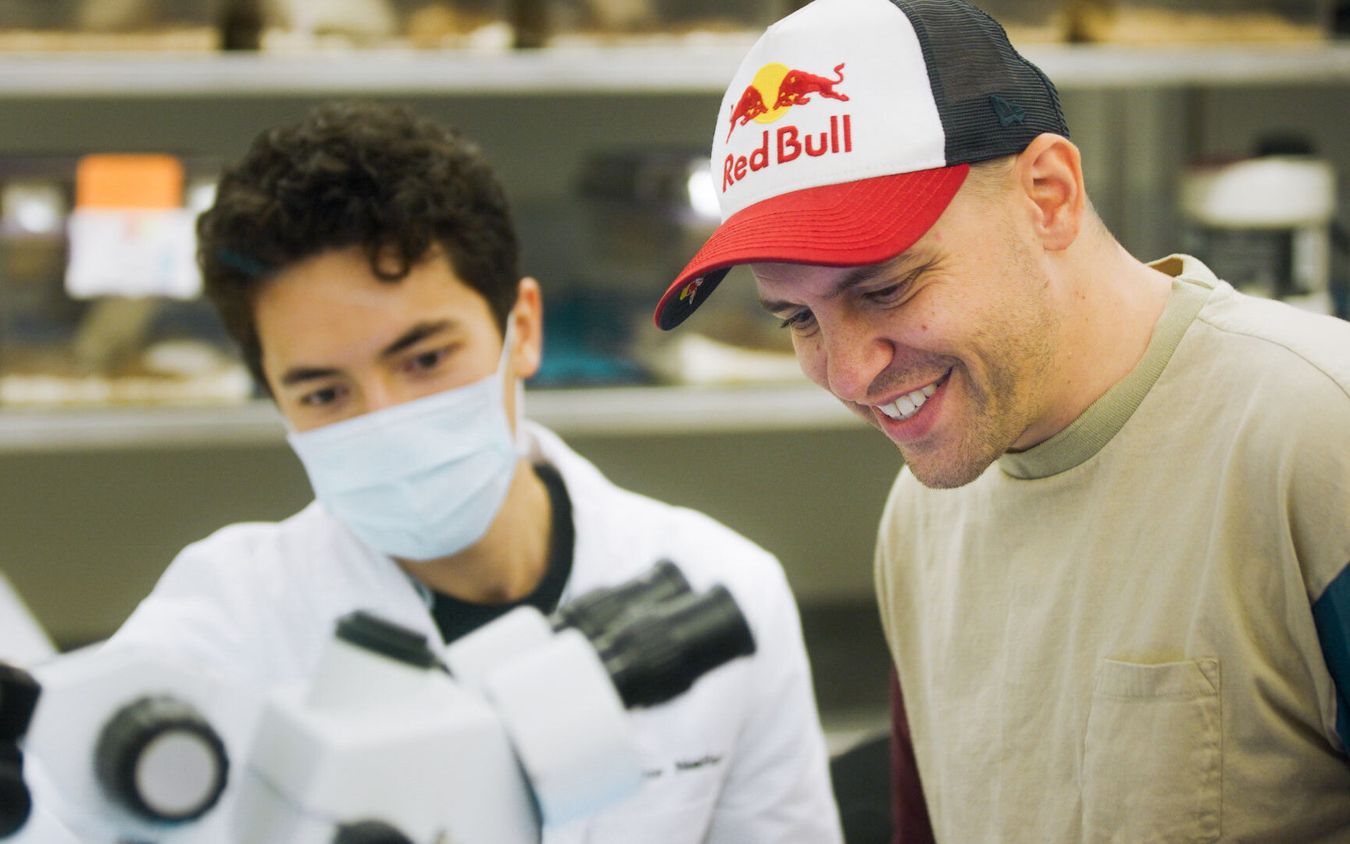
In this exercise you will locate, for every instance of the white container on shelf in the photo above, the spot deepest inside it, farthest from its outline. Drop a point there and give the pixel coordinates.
(1265, 223)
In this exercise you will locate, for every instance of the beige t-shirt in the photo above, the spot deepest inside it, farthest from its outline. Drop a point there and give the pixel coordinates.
(1110, 636)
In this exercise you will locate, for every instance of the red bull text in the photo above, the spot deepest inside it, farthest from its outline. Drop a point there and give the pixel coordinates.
(788, 145)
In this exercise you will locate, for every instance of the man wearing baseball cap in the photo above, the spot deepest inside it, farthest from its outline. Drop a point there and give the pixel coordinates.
(1112, 573)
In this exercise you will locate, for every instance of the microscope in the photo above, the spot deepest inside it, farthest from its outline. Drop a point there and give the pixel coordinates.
(19, 694)
(519, 725)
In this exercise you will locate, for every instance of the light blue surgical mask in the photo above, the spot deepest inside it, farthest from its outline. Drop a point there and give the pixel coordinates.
(420, 480)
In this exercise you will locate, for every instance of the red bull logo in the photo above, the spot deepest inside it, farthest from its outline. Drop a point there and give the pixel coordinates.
(749, 107)
(786, 88)
(798, 86)
(690, 290)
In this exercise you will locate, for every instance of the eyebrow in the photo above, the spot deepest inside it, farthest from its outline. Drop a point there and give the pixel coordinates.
(417, 334)
(900, 267)
(411, 337)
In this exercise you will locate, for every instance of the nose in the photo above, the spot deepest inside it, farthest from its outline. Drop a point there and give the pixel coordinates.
(377, 394)
(854, 357)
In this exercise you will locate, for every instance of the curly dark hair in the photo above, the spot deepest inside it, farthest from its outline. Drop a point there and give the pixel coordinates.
(371, 175)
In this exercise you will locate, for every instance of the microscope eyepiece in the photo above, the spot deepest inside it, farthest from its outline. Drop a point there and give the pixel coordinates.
(655, 656)
(597, 611)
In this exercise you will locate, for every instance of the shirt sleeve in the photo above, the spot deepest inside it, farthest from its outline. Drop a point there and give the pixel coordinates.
(1317, 502)
(215, 607)
(778, 788)
(1331, 615)
(908, 810)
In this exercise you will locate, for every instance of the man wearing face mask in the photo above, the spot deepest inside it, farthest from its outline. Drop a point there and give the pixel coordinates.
(365, 261)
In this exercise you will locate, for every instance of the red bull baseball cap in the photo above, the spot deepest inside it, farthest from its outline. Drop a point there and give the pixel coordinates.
(849, 127)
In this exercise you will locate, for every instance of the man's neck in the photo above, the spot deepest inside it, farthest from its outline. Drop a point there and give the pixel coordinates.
(1116, 302)
(511, 558)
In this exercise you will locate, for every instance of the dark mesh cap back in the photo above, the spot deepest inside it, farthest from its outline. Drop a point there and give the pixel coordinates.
(991, 100)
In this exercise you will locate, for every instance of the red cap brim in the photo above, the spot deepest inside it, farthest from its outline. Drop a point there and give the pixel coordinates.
(851, 224)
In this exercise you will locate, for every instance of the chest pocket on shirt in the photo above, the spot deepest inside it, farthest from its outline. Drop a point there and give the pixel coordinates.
(1153, 753)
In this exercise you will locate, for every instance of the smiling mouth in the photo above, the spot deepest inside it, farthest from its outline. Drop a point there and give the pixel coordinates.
(908, 405)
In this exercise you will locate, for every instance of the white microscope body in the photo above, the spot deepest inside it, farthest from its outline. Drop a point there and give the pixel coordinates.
(516, 726)
(381, 735)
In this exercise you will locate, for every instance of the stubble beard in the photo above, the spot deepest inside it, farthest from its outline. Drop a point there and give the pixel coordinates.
(1019, 357)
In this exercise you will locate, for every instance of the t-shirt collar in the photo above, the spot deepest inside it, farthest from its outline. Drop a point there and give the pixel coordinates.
(1090, 432)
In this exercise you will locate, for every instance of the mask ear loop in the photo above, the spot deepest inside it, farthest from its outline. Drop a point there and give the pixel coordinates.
(522, 440)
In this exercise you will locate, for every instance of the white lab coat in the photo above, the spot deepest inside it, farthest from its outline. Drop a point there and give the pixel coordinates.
(258, 601)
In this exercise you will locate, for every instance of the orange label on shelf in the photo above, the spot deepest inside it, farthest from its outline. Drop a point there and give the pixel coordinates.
(115, 180)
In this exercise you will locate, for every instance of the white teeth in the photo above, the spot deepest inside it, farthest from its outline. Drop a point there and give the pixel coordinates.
(909, 404)
(903, 407)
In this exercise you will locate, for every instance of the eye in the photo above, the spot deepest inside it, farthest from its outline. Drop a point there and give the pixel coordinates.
(799, 320)
(888, 295)
(426, 361)
(322, 397)
(885, 294)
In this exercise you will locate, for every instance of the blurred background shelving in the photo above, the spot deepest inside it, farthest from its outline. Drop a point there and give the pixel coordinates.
(632, 412)
(621, 70)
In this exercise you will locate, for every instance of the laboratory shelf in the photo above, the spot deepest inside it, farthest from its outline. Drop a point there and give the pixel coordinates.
(617, 411)
(672, 69)
(1075, 67)
(606, 70)
(23, 430)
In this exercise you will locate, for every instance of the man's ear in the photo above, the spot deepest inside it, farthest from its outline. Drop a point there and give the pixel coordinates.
(1050, 174)
(527, 319)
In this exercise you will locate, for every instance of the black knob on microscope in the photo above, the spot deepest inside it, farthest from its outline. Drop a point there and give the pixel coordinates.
(370, 832)
(160, 759)
(15, 801)
(19, 693)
